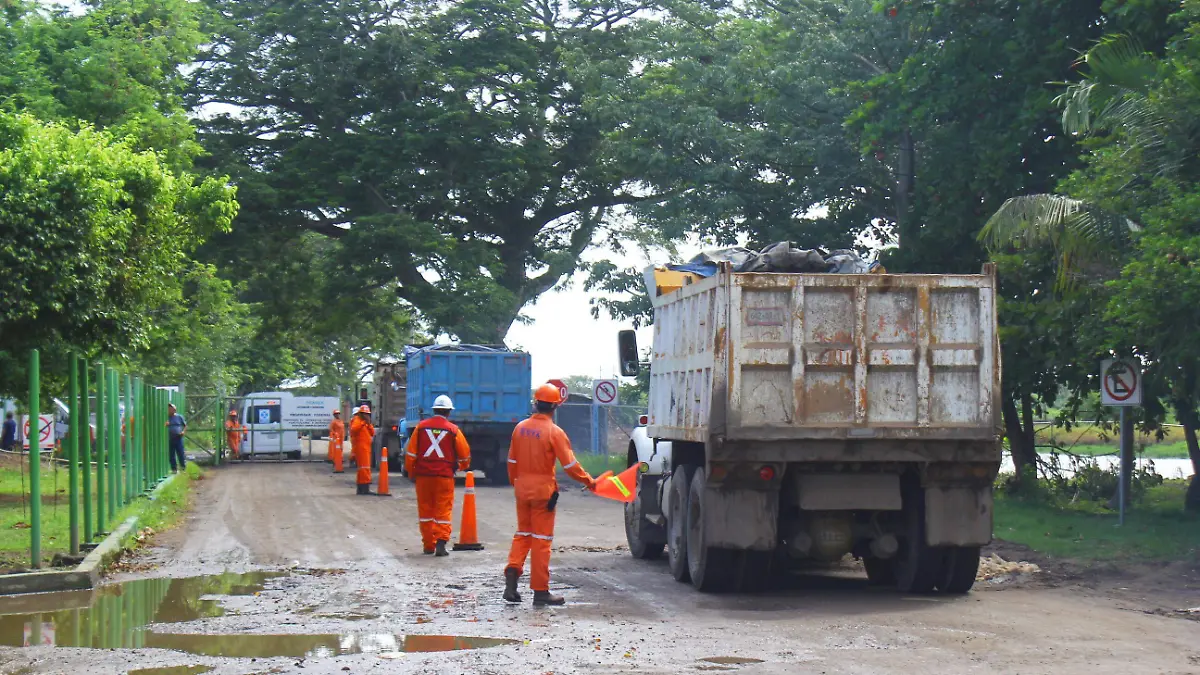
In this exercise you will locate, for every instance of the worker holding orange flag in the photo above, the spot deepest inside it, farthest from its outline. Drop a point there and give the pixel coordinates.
(436, 450)
(337, 432)
(537, 443)
(233, 435)
(361, 433)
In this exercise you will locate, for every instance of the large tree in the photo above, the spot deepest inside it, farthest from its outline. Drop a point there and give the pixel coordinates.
(455, 152)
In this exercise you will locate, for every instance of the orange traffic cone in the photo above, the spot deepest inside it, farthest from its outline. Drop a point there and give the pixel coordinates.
(383, 474)
(468, 537)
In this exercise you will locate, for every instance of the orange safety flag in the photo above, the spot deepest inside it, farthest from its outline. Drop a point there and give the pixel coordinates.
(621, 487)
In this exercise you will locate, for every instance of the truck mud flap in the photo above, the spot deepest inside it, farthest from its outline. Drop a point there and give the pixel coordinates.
(742, 519)
(958, 516)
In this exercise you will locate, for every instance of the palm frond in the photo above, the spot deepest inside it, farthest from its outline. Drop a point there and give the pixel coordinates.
(1080, 232)
(1117, 74)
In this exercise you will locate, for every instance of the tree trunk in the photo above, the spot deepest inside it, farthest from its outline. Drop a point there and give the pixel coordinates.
(1187, 417)
(1020, 438)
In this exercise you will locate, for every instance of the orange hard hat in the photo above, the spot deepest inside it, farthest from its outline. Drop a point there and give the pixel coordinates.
(548, 393)
(233, 413)
(337, 412)
(365, 409)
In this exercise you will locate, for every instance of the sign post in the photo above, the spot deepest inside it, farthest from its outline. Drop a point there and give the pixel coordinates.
(604, 393)
(1121, 386)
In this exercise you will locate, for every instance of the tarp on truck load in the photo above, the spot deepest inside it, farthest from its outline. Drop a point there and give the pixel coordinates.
(780, 257)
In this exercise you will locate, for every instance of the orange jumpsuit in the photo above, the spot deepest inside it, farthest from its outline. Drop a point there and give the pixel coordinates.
(233, 436)
(536, 443)
(431, 461)
(337, 431)
(361, 433)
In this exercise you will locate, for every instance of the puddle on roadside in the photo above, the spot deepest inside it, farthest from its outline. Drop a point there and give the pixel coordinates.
(315, 646)
(115, 615)
(731, 660)
(173, 670)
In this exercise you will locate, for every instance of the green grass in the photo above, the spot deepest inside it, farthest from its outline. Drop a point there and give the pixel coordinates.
(1177, 450)
(1156, 529)
(15, 512)
(598, 464)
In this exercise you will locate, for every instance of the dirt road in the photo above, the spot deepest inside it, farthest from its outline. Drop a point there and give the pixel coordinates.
(355, 577)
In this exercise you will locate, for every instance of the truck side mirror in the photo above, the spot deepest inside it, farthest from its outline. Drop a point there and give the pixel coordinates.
(628, 352)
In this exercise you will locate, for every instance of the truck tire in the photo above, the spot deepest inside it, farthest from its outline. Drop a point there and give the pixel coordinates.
(961, 566)
(880, 571)
(918, 566)
(677, 519)
(753, 570)
(710, 568)
(646, 540)
(497, 473)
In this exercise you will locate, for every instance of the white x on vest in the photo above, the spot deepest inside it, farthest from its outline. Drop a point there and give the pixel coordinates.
(435, 442)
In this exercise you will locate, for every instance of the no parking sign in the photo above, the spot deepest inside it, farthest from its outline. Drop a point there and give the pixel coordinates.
(45, 431)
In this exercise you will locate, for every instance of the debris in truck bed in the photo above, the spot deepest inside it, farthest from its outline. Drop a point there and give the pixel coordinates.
(780, 257)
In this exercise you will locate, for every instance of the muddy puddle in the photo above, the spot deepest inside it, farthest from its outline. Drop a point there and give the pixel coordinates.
(115, 615)
(118, 615)
(173, 670)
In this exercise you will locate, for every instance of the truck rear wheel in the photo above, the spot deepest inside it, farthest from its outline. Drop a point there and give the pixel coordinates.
(918, 566)
(677, 521)
(961, 566)
(880, 571)
(646, 540)
(710, 568)
(753, 570)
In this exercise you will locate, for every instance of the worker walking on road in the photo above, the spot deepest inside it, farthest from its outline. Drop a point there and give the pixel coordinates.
(436, 450)
(361, 434)
(337, 431)
(536, 443)
(233, 435)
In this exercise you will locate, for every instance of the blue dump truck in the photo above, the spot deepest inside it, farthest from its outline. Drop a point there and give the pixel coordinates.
(490, 387)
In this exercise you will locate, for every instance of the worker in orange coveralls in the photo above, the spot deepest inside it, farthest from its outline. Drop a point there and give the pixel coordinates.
(436, 450)
(536, 443)
(233, 435)
(361, 433)
(337, 432)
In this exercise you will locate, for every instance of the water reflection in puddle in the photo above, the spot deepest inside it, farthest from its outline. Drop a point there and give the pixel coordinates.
(117, 616)
(172, 670)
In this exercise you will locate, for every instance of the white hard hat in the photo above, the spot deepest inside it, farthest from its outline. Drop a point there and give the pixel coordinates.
(443, 402)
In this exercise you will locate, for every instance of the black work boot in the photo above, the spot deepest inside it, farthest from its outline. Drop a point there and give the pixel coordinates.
(427, 551)
(441, 551)
(364, 488)
(543, 598)
(511, 576)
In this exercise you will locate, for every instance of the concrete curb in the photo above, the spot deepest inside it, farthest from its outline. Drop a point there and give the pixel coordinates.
(88, 573)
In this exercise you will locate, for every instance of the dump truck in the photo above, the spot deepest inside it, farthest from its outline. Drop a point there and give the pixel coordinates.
(389, 404)
(798, 417)
(490, 387)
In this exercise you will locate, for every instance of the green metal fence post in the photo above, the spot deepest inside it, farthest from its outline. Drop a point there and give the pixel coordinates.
(110, 443)
(101, 451)
(138, 422)
(85, 449)
(76, 429)
(119, 445)
(35, 460)
(130, 459)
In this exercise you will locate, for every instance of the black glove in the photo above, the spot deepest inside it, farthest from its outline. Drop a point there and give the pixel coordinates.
(553, 501)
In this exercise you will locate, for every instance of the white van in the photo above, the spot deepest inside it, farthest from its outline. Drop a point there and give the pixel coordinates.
(262, 414)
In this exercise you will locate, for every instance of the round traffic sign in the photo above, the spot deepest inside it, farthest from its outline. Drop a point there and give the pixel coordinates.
(562, 389)
(45, 429)
(1121, 381)
(606, 392)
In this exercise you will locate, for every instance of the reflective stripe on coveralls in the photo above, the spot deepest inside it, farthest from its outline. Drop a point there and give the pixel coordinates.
(431, 465)
(361, 433)
(537, 443)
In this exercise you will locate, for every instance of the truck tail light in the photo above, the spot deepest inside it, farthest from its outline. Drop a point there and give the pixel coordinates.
(767, 473)
(643, 420)
(395, 428)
